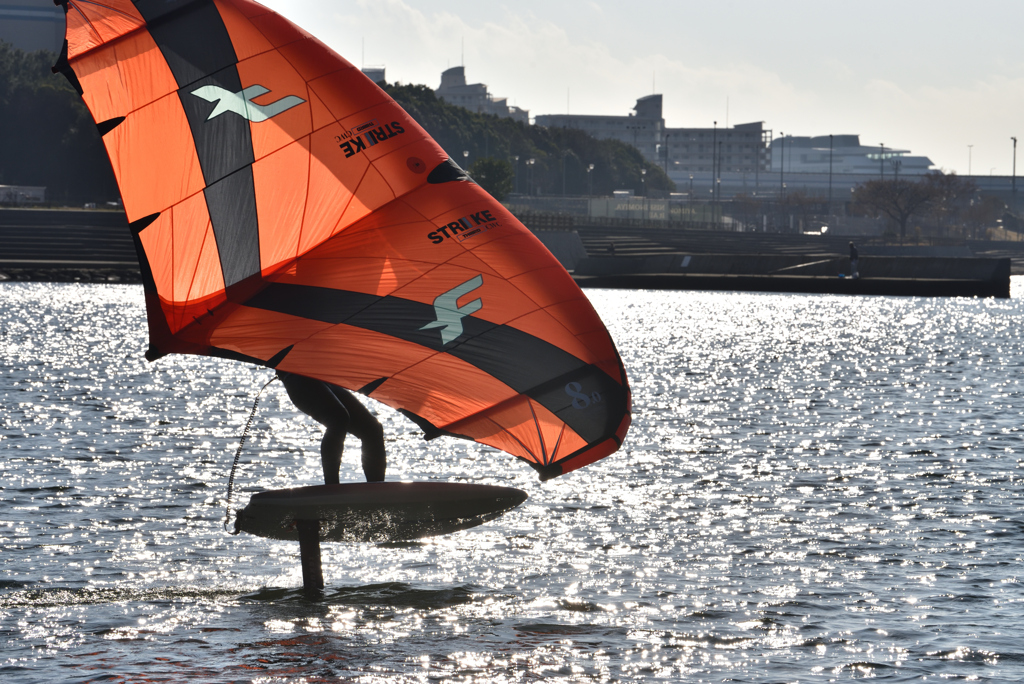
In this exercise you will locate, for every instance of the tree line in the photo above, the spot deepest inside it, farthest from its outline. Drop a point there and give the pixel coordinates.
(531, 160)
(936, 204)
(48, 138)
(944, 203)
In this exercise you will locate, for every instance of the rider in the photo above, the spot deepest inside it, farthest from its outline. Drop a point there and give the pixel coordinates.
(340, 412)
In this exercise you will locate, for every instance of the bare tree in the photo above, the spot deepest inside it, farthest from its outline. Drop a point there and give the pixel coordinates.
(898, 199)
(952, 197)
(983, 214)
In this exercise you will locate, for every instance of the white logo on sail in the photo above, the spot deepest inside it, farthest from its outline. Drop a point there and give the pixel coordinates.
(450, 314)
(241, 103)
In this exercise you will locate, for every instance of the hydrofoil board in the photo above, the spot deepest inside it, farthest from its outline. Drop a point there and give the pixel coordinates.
(376, 511)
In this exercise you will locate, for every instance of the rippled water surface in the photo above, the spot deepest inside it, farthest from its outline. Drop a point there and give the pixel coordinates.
(815, 488)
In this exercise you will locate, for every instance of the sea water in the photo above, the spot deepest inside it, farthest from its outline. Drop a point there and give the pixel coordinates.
(815, 488)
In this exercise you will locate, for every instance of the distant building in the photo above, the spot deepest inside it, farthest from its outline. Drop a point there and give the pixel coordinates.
(474, 97)
(643, 129)
(19, 195)
(375, 74)
(802, 154)
(32, 25)
(740, 149)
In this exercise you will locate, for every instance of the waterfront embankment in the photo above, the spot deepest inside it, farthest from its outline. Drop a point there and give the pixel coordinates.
(53, 245)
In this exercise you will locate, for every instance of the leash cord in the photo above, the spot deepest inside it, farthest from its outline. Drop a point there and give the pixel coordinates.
(238, 455)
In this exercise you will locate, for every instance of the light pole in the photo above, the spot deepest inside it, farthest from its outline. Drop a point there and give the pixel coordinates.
(564, 152)
(1013, 192)
(643, 186)
(881, 160)
(516, 157)
(830, 177)
(714, 159)
(590, 180)
(969, 151)
(529, 167)
(718, 176)
(666, 152)
(782, 164)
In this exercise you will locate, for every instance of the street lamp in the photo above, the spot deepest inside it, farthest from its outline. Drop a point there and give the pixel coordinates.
(590, 180)
(830, 177)
(643, 187)
(714, 158)
(529, 166)
(564, 154)
(718, 176)
(969, 150)
(881, 159)
(782, 164)
(1013, 194)
(516, 157)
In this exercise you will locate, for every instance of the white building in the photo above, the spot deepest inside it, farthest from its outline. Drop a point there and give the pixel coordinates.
(20, 195)
(805, 154)
(644, 129)
(474, 96)
(32, 25)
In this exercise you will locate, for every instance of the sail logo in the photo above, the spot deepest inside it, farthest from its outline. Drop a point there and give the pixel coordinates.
(367, 135)
(448, 312)
(465, 227)
(580, 400)
(241, 103)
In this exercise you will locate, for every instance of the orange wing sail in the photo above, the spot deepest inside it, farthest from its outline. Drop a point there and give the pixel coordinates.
(287, 212)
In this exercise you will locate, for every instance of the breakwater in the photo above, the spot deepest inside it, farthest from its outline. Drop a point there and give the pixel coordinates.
(96, 246)
(60, 245)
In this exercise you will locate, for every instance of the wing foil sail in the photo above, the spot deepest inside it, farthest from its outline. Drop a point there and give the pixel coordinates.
(287, 212)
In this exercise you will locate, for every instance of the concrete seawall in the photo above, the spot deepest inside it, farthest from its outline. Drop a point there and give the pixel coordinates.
(62, 245)
(773, 262)
(915, 276)
(72, 245)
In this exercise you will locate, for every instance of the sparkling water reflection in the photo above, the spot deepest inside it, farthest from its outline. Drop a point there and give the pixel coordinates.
(815, 488)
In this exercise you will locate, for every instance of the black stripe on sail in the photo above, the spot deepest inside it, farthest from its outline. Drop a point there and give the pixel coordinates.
(232, 206)
(195, 43)
(191, 36)
(105, 127)
(447, 171)
(63, 67)
(580, 394)
(224, 142)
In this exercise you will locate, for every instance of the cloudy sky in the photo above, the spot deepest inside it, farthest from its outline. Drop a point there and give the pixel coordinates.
(931, 76)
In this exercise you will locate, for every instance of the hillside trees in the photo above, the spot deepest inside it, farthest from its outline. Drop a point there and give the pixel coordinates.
(946, 198)
(47, 136)
(898, 199)
(562, 156)
(494, 175)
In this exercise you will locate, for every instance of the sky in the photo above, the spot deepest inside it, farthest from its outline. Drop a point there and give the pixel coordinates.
(940, 78)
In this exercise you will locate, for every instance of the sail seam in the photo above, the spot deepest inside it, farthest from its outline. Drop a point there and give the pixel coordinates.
(540, 435)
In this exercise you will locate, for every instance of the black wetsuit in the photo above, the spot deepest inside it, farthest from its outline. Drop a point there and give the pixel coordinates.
(340, 412)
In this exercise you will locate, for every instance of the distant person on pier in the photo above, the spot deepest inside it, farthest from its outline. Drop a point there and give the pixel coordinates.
(854, 273)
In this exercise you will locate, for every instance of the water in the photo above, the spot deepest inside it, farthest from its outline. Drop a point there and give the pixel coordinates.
(815, 488)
